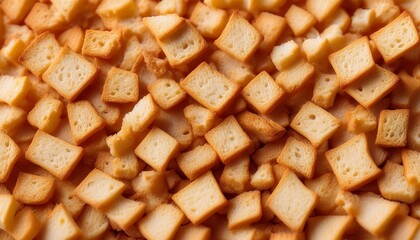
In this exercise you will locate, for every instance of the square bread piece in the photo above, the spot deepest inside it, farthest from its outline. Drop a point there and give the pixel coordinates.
(228, 139)
(33, 189)
(84, 120)
(59, 225)
(69, 74)
(299, 20)
(191, 231)
(291, 201)
(166, 92)
(163, 25)
(411, 162)
(92, 222)
(16, 10)
(13, 90)
(197, 161)
(314, 123)
(200, 199)
(142, 115)
(328, 227)
(53, 154)
(98, 189)
(42, 51)
(9, 154)
(102, 44)
(26, 225)
(263, 93)
(157, 149)
(352, 164)
(239, 38)
(295, 76)
(244, 209)
(46, 113)
(7, 211)
(327, 188)
(210, 88)
(396, 38)
(403, 227)
(121, 86)
(11, 117)
(209, 21)
(200, 118)
(322, 9)
(236, 177)
(271, 26)
(392, 128)
(371, 88)
(326, 88)
(125, 212)
(352, 61)
(285, 54)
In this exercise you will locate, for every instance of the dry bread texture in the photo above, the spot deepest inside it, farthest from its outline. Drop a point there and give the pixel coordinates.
(209, 21)
(244, 209)
(166, 92)
(9, 154)
(328, 227)
(26, 225)
(299, 20)
(197, 161)
(327, 188)
(326, 88)
(92, 223)
(11, 117)
(296, 76)
(103, 44)
(33, 189)
(392, 128)
(125, 212)
(285, 54)
(13, 90)
(163, 25)
(411, 164)
(16, 10)
(60, 225)
(7, 211)
(46, 113)
(121, 86)
(200, 118)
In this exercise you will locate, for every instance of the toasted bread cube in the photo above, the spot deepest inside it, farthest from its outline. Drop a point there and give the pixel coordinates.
(352, 61)
(157, 149)
(210, 88)
(327, 188)
(176, 125)
(69, 74)
(292, 202)
(362, 20)
(296, 76)
(263, 129)
(271, 26)
(200, 199)
(373, 87)
(16, 10)
(116, 9)
(120, 86)
(26, 225)
(166, 92)
(191, 231)
(132, 52)
(127, 166)
(98, 189)
(403, 227)
(285, 55)
(328, 227)
(171, 6)
(183, 46)
(394, 185)
(228, 139)
(322, 9)
(14, 89)
(360, 120)
(315, 48)
(392, 128)
(11, 117)
(13, 49)
(352, 164)
(69, 9)
(63, 194)
(73, 38)
(166, 215)
(314, 123)
(103, 44)
(7, 211)
(244, 209)
(396, 38)
(263, 93)
(163, 25)
(53, 154)
(92, 223)
(299, 20)
(411, 162)
(9, 154)
(335, 37)
(263, 178)
(200, 118)
(235, 176)
(299, 156)
(125, 212)
(325, 89)
(239, 38)
(197, 161)
(60, 225)
(33, 189)
(44, 17)
(110, 113)
(142, 115)
(268, 153)
(208, 21)
(46, 114)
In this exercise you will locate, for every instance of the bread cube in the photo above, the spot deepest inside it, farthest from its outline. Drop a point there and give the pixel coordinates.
(110, 113)
(163, 25)
(191, 231)
(270, 26)
(315, 48)
(92, 223)
(166, 92)
(16, 10)
(296, 76)
(103, 44)
(33, 189)
(392, 128)
(322, 9)
(13, 49)
(235, 176)
(327, 188)
(69, 9)
(328, 227)
(263, 178)
(209, 21)
(60, 225)
(360, 120)
(14, 89)
(325, 89)
(192, 167)
(9, 154)
(116, 9)
(299, 20)
(263, 129)
(11, 117)
(7, 211)
(132, 51)
(142, 115)
(124, 212)
(26, 225)
(200, 118)
(46, 114)
(411, 163)
(285, 54)
(43, 17)
(120, 86)
(64, 194)
(244, 209)
(403, 227)
(362, 20)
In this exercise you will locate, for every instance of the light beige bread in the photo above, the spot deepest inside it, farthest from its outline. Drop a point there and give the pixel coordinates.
(99, 189)
(157, 149)
(92, 223)
(210, 88)
(64, 194)
(263, 129)
(26, 225)
(163, 25)
(127, 166)
(285, 54)
(68, 9)
(166, 92)
(403, 227)
(46, 113)
(362, 20)
(125, 212)
(190, 232)
(244, 209)
(11, 117)
(120, 86)
(299, 20)
(327, 188)
(239, 30)
(102, 44)
(142, 115)
(60, 225)
(69, 74)
(263, 178)
(314, 123)
(352, 61)
(16, 10)
(200, 118)
(268, 153)
(352, 164)
(9, 154)
(132, 51)
(220, 229)
(396, 38)
(209, 21)
(14, 89)
(392, 128)
(411, 163)
(360, 120)
(322, 9)
(13, 49)
(292, 202)
(120, 9)
(228, 139)
(235, 176)
(326, 88)
(200, 199)
(197, 161)
(33, 189)
(296, 76)
(7, 211)
(328, 227)
(270, 26)
(44, 17)
(315, 49)
(53, 154)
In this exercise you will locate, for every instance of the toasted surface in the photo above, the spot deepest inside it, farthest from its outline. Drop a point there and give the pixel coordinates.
(142, 115)
(92, 223)
(263, 178)
(60, 225)
(270, 26)
(299, 20)
(392, 128)
(163, 25)
(265, 130)
(125, 212)
(33, 189)
(327, 188)
(7, 211)
(328, 227)
(16, 10)
(53, 154)
(360, 120)
(235, 176)
(322, 9)
(411, 163)
(296, 76)
(403, 227)
(103, 44)
(197, 161)
(11, 117)
(120, 86)
(46, 114)
(285, 54)
(166, 92)
(209, 21)
(64, 194)
(190, 232)
(200, 118)
(244, 209)
(14, 89)
(9, 154)
(325, 89)
(43, 17)
(26, 225)
(200, 199)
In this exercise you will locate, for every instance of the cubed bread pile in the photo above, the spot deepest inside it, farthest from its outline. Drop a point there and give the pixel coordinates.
(211, 119)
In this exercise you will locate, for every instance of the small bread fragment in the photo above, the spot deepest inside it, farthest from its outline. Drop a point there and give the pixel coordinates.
(315, 48)
(120, 86)
(292, 202)
(64, 194)
(236, 176)
(209, 21)
(59, 225)
(411, 162)
(7, 211)
(325, 89)
(352, 61)
(92, 223)
(298, 155)
(263, 129)
(142, 115)
(124, 212)
(46, 113)
(167, 215)
(299, 20)
(296, 76)
(328, 227)
(392, 128)
(33, 189)
(26, 225)
(166, 92)
(396, 38)
(11, 117)
(200, 118)
(69, 74)
(352, 164)
(270, 26)
(362, 20)
(263, 93)
(322, 9)
(14, 89)
(84, 120)
(314, 123)
(263, 178)
(163, 25)
(44, 17)
(403, 227)
(193, 232)
(69, 9)
(116, 9)
(210, 88)
(244, 209)
(239, 38)
(99, 189)
(285, 54)
(16, 10)
(197, 161)
(373, 87)
(9, 154)
(327, 188)
(200, 199)
(53, 154)
(72, 37)
(103, 44)
(360, 120)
